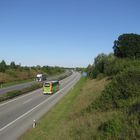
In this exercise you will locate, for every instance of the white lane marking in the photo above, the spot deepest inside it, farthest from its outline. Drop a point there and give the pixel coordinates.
(37, 105)
(27, 101)
(33, 92)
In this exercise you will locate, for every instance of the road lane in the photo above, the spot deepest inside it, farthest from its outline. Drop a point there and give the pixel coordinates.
(37, 92)
(27, 101)
(29, 84)
(16, 113)
(17, 87)
(8, 110)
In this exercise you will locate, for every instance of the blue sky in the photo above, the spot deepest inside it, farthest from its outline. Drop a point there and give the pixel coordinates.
(65, 33)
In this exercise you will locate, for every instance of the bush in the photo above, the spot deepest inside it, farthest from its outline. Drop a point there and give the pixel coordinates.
(124, 125)
(120, 91)
(100, 76)
(116, 66)
(110, 66)
(133, 121)
(95, 72)
(135, 108)
(110, 129)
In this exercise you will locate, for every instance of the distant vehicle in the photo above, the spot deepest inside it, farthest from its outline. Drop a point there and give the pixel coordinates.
(41, 77)
(50, 87)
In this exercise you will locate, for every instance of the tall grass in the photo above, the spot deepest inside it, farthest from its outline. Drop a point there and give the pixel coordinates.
(100, 110)
(65, 120)
(121, 95)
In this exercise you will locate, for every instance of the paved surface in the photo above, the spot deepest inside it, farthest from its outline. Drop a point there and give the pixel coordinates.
(28, 84)
(16, 87)
(17, 115)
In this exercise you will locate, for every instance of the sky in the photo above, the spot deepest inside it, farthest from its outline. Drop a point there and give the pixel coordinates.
(68, 33)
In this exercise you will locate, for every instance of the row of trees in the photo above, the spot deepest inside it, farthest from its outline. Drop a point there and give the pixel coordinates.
(127, 46)
(13, 66)
(14, 72)
(4, 66)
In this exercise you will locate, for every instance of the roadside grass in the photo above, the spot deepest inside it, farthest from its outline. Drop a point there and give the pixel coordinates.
(58, 76)
(15, 93)
(66, 120)
(15, 83)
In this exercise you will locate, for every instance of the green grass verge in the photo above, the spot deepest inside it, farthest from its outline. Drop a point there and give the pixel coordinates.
(58, 76)
(65, 119)
(15, 93)
(12, 94)
(48, 126)
(15, 83)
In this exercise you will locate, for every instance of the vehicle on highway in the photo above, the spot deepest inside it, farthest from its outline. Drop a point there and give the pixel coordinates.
(41, 77)
(50, 87)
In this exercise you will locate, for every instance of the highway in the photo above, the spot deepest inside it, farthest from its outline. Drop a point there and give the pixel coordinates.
(29, 84)
(17, 115)
(17, 87)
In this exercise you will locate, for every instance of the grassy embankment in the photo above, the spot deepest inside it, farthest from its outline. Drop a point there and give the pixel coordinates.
(14, 76)
(67, 120)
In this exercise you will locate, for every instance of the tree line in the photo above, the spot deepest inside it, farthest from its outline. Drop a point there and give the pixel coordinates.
(14, 66)
(126, 52)
(14, 72)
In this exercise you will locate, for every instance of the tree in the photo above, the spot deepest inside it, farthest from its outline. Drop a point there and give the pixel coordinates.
(3, 66)
(99, 62)
(89, 71)
(127, 45)
(13, 65)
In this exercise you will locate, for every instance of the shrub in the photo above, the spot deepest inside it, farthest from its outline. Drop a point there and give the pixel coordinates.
(95, 72)
(133, 121)
(123, 88)
(124, 125)
(100, 76)
(116, 66)
(110, 129)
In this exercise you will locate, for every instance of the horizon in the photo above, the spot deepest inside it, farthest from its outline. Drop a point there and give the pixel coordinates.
(63, 33)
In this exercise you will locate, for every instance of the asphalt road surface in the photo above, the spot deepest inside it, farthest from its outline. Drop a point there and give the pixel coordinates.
(17, 115)
(28, 84)
(17, 87)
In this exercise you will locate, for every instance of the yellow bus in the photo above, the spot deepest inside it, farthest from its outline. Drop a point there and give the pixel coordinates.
(50, 87)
